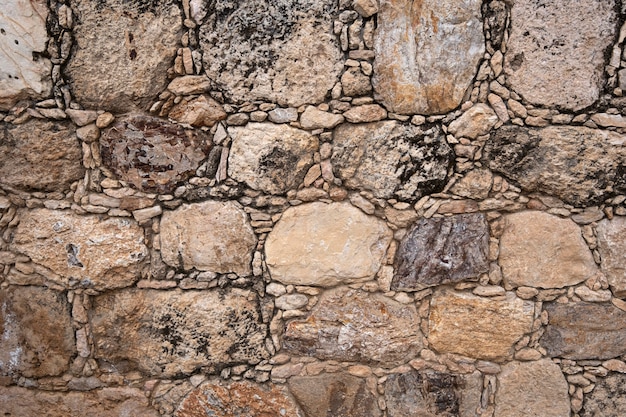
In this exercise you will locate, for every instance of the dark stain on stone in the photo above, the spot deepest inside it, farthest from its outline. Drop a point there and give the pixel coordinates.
(418, 392)
(72, 255)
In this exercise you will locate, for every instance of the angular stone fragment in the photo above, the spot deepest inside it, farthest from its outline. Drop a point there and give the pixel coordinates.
(210, 236)
(152, 154)
(167, 333)
(36, 335)
(281, 51)
(312, 118)
(270, 158)
(442, 250)
(366, 113)
(351, 325)
(608, 398)
(612, 247)
(535, 388)
(555, 57)
(392, 159)
(38, 155)
(475, 184)
(326, 245)
(478, 327)
(476, 121)
(82, 250)
(427, 53)
(585, 331)
(198, 112)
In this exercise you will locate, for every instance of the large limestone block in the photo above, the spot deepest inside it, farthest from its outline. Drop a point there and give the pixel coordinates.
(82, 250)
(282, 50)
(36, 335)
(608, 399)
(167, 333)
(269, 157)
(538, 249)
(392, 160)
(555, 57)
(351, 325)
(532, 389)
(612, 248)
(326, 245)
(427, 53)
(478, 327)
(210, 236)
(122, 52)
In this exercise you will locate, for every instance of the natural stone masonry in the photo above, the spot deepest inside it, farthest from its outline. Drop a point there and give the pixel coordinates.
(608, 398)
(612, 247)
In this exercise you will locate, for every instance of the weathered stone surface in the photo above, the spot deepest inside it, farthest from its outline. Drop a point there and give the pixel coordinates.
(209, 236)
(281, 51)
(365, 113)
(478, 327)
(167, 333)
(37, 155)
(541, 250)
(326, 244)
(152, 154)
(36, 335)
(433, 394)
(475, 184)
(312, 118)
(351, 325)
(577, 164)
(585, 331)
(535, 388)
(270, 158)
(84, 251)
(392, 159)
(442, 250)
(476, 121)
(612, 247)
(133, 44)
(24, 72)
(198, 112)
(608, 398)
(354, 83)
(335, 395)
(106, 402)
(555, 57)
(426, 54)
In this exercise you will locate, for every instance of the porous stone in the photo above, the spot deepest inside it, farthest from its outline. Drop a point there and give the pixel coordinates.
(167, 333)
(312, 118)
(612, 247)
(608, 398)
(210, 236)
(82, 250)
(326, 245)
(270, 158)
(366, 113)
(475, 184)
(427, 54)
(198, 112)
(391, 159)
(354, 83)
(352, 325)
(476, 121)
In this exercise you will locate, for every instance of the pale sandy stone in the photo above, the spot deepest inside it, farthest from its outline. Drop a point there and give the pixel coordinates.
(475, 184)
(365, 113)
(198, 112)
(312, 118)
(476, 121)
(612, 247)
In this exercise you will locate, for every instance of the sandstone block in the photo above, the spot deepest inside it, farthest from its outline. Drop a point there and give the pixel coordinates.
(198, 112)
(612, 247)
(475, 184)
(312, 118)
(476, 121)
(365, 113)
(608, 399)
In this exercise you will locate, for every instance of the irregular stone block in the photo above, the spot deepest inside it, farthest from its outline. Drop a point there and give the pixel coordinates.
(427, 53)
(282, 51)
(442, 250)
(36, 335)
(350, 325)
(82, 250)
(169, 333)
(326, 245)
(541, 250)
(198, 112)
(608, 399)
(210, 236)
(476, 121)
(612, 247)
(392, 159)
(478, 327)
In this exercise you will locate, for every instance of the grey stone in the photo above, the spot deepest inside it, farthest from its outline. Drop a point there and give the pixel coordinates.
(608, 399)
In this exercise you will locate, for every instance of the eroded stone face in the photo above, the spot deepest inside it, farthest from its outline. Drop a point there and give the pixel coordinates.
(607, 399)
(612, 247)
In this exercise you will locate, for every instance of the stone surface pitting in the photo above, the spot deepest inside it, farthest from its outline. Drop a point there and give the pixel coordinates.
(612, 247)
(608, 398)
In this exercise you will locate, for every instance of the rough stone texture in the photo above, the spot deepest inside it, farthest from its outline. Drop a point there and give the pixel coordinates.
(577, 164)
(281, 51)
(326, 245)
(555, 57)
(38, 155)
(536, 388)
(475, 184)
(442, 250)
(36, 335)
(608, 399)
(198, 112)
(24, 72)
(338, 395)
(167, 333)
(612, 247)
(209, 236)
(373, 157)
(427, 53)
(84, 251)
(478, 327)
(270, 158)
(476, 121)
(351, 325)
(133, 44)
(585, 331)
(152, 154)
(538, 249)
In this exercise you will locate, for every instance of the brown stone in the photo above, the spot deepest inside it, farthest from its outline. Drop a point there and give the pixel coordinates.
(354, 83)
(475, 184)
(198, 112)
(476, 121)
(608, 399)
(612, 247)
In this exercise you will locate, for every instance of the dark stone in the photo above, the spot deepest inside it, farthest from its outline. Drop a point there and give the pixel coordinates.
(442, 250)
(496, 16)
(608, 399)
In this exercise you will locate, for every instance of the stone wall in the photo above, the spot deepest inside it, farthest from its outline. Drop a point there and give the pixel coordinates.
(312, 208)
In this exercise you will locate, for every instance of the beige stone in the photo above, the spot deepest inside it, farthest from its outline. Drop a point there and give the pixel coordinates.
(612, 247)
(189, 84)
(476, 121)
(475, 184)
(198, 112)
(365, 113)
(312, 118)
